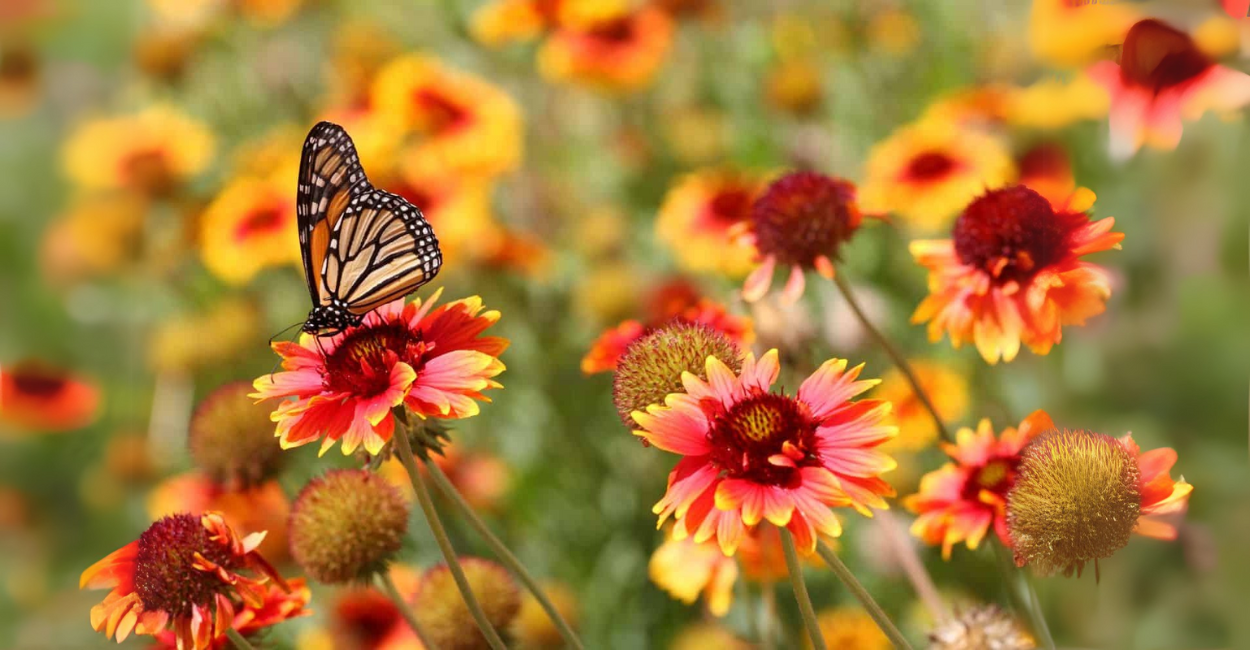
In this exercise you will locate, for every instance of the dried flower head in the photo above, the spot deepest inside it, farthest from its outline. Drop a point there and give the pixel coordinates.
(346, 525)
(445, 618)
(981, 628)
(652, 366)
(1076, 499)
(231, 438)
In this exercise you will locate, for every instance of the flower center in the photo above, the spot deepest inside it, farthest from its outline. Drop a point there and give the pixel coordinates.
(263, 220)
(929, 166)
(37, 384)
(440, 113)
(728, 207)
(762, 438)
(17, 65)
(803, 216)
(1013, 232)
(149, 170)
(362, 362)
(1159, 57)
(165, 577)
(995, 476)
(618, 32)
(365, 619)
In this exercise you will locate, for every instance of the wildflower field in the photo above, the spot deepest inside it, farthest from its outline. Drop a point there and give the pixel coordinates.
(460, 324)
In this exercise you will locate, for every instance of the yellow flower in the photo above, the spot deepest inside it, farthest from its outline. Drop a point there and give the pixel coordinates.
(1053, 103)
(851, 628)
(533, 629)
(504, 21)
(249, 227)
(687, 569)
(946, 388)
(795, 86)
(700, 216)
(361, 49)
(190, 14)
(269, 13)
(457, 207)
(987, 105)
(622, 54)
(98, 235)
(699, 636)
(152, 151)
(696, 134)
(893, 31)
(194, 341)
(466, 124)
(928, 171)
(1067, 34)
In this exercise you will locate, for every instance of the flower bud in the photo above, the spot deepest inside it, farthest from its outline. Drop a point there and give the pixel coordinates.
(346, 525)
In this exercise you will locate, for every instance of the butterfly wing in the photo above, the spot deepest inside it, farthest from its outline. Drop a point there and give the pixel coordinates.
(381, 249)
(330, 176)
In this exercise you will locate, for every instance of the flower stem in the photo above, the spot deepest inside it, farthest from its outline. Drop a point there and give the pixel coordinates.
(444, 544)
(405, 608)
(907, 556)
(1025, 593)
(899, 360)
(800, 590)
(501, 551)
(237, 640)
(768, 615)
(874, 610)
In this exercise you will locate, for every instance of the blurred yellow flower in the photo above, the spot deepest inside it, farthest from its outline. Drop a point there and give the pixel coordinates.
(195, 341)
(1053, 103)
(192, 14)
(795, 86)
(1071, 34)
(621, 54)
(894, 31)
(851, 628)
(687, 569)
(152, 151)
(700, 636)
(250, 226)
(466, 124)
(457, 207)
(163, 52)
(696, 134)
(360, 50)
(983, 106)
(532, 628)
(504, 21)
(929, 170)
(700, 216)
(268, 13)
(608, 292)
(97, 236)
(916, 430)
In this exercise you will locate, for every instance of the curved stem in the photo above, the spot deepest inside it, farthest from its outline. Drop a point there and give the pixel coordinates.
(900, 361)
(505, 556)
(913, 566)
(800, 590)
(405, 608)
(874, 610)
(237, 640)
(444, 544)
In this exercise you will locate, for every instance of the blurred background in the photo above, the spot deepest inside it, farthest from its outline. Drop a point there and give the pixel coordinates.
(148, 251)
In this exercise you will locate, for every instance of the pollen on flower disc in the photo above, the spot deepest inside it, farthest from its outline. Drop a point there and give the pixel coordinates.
(651, 367)
(445, 618)
(231, 438)
(346, 525)
(1076, 499)
(1012, 232)
(165, 576)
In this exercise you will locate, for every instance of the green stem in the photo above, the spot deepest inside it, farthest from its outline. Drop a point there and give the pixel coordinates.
(405, 608)
(800, 590)
(874, 610)
(501, 551)
(444, 544)
(237, 639)
(1026, 595)
(900, 361)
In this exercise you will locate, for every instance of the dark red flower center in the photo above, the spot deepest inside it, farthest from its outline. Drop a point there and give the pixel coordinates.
(758, 428)
(17, 65)
(165, 576)
(363, 619)
(149, 171)
(1158, 56)
(929, 166)
(263, 219)
(361, 363)
(38, 384)
(618, 32)
(442, 113)
(1013, 232)
(803, 216)
(995, 476)
(728, 207)
(421, 197)
(1045, 161)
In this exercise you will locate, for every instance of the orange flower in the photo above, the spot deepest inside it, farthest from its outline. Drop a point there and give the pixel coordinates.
(182, 574)
(153, 151)
(960, 501)
(929, 171)
(685, 568)
(37, 397)
(1047, 170)
(278, 605)
(945, 387)
(1160, 495)
(1070, 34)
(431, 360)
(364, 618)
(700, 216)
(248, 228)
(749, 454)
(1162, 78)
(1012, 272)
(500, 22)
(264, 507)
(620, 53)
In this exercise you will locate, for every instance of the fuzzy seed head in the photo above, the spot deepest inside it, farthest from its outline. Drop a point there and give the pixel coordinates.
(981, 628)
(651, 367)
(346, 525)
(231, 438)
(165, 576)
(1076, 499)
(446, 619)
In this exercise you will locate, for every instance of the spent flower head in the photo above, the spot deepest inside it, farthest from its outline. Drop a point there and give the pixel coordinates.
(346, 525)
(652, 366)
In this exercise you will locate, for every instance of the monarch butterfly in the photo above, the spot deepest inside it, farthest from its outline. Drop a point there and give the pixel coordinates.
(362, 247)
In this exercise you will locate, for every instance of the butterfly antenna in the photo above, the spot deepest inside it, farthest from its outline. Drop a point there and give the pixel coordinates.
(284, 331)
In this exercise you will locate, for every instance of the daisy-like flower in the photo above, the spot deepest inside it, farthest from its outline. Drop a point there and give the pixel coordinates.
(465, 124)
(800, 222)
(928, 171)
(700, 215)
(1162, 78)
(247, 228)
(277, 605)
(961, 501)
(687, 569)
(1161, 497)
(434, 361)
(1012, 272)
(851, 628)
(247, 510)
(945, 387)
(750, 454)
(182, 574)
(152, 151)
(618, 53)
(37, 397)
(500, 22)
(1068, 34)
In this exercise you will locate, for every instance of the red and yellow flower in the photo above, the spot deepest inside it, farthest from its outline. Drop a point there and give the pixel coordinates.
(183, 575)
(961, 501)
(1162, 78)
(364, 618)
(700, 217)
(277, 605)
(433, 361)
(262, 508)
(1012, 272)
(457, 207)
(1161, 496)
(751, 455)
(620, 52)
(928, 171)
(946, 388)
(500, 22)
(1065, 33)
(687, 569)
(247, 228)
(152, 151)
(37, 397)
